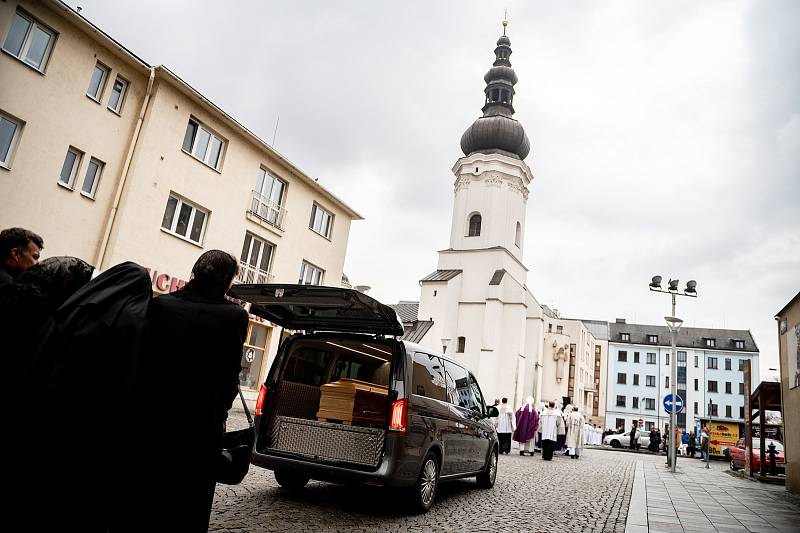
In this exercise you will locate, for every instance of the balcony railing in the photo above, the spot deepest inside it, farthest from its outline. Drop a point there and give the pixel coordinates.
(267, 210)
(251, 274)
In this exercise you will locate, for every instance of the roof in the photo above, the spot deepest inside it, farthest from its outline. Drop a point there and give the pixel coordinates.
(686, 338)
(770, 391)
(165, 72)
(598, 328)
(406, 310)
(417, 331)
(441, 275)
(787, 306)
(549, 312)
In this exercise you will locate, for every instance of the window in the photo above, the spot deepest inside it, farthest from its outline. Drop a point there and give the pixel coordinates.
(461, 345)
(651, 358)
(650, 404)
(741, 389)
(682, 357)
(518, 235)
(648, 426)
(666, 382)
(728, 387)
(741, 412)
(742, 364)
(474, 225)
(428, 376)
(117, 95)
(29, 41)
(459, 391)
(200, 142)
(712, 386)
(69, 170)
(560, 329)
(622, 356)
(635, 357)
(714, 410)
(9, 133)
(727, 363)
(696, 361)
(310, 275)
(256, 261)
(650, 381)
(728, 411)
(253, 354)
(620, 401)
(93, 171)
(696, 384)
(652, 339)
(712, 362)
(681, 375)
(666, 358)
(739, 345)
(268, 197)
(636, 379)
(635, 402)
(184, 220)
(695, 407)
(624, 336)
(620, 422)
(98, 82)
(477, 395)
(549, 328)
(321, 221)
(622, 378)
(711, 343)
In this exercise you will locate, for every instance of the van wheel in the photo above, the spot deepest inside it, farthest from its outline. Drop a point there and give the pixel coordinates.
(291, 480)
(424, 490)
(487, 477)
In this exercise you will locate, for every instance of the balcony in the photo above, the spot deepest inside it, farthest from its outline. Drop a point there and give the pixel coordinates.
(267, 210)
(251, 274)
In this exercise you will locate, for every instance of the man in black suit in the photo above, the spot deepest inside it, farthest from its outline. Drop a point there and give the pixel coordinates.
(189, 381)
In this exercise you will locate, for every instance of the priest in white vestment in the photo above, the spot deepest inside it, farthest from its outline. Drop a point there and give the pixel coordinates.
(575, 423)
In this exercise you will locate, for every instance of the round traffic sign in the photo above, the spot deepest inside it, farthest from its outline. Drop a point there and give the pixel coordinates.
(668, 403)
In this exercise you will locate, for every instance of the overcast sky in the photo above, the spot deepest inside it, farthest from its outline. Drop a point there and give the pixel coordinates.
(665, 135)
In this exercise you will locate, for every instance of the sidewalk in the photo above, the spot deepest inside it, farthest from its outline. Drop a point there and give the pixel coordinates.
(696, 499)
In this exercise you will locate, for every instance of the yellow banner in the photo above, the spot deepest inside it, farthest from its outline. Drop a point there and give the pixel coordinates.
(722, 436)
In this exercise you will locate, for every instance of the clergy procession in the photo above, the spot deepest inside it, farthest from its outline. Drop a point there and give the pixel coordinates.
(545, 428)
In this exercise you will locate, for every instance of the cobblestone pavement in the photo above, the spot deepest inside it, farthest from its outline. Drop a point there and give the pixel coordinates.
(591, 494)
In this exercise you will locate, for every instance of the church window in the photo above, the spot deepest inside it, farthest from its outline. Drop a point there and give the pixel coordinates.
(518, 234)
(495, 95)
(474, 225)
(462, 344)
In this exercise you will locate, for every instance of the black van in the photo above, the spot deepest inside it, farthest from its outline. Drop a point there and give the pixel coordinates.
(421, 417)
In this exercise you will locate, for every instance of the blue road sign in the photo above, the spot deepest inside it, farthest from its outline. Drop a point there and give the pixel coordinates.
(668, 403)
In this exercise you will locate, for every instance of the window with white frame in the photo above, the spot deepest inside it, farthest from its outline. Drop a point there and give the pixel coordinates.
(624, 336)
(9, 134)
(321, 221)
(651, 358)
(117, 95)
(92, 177)
(620, 400)
(29, 41)
(256, 260)
(651, 381)
(650, 404)
(711, 343)
(739, 344)
(184, 219)
(652, 339)
(310, 275)
(98, 82)
(268, 197)
(203, 144)
(69, 170)
(712, 362)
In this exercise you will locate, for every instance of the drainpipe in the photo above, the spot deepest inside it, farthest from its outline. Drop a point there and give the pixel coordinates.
(101, 253)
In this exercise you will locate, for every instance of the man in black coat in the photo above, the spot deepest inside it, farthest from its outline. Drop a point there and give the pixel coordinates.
(190, 378)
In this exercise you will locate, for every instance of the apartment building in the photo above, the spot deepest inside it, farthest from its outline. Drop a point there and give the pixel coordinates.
(709, 374)
(112, 159)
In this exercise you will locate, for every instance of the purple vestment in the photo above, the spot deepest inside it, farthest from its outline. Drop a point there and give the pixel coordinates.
(527, 423)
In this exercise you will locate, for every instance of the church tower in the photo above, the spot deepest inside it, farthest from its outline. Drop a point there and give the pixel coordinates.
(476, 305)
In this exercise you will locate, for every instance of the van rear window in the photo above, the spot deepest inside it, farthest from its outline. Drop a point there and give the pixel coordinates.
(324, 362)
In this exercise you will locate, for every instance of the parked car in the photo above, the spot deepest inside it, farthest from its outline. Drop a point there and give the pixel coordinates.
(737, 455)
(623, 440)
(346, 401)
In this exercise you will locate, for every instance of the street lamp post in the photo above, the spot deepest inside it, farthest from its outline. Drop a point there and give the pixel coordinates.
(674, 324)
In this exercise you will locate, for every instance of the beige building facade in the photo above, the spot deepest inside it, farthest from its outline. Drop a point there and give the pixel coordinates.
(111, 159)
(788, 320)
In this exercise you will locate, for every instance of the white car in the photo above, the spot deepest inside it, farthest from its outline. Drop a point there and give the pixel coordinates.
(623, 440)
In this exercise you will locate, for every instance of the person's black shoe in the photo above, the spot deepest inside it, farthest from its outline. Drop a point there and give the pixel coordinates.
(522, 453)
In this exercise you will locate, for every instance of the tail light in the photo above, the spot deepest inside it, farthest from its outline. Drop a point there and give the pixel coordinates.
(397, 423)
(262, 393)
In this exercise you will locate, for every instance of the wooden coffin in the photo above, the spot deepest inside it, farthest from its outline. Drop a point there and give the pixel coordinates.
(353, 402)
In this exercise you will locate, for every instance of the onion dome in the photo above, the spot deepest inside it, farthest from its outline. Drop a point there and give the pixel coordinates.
(497, 131)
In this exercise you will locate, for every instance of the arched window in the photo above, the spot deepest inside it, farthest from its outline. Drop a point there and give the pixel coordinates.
(518, 235)
(474, 225)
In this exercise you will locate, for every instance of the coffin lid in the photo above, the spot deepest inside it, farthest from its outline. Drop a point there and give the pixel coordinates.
(318, 308)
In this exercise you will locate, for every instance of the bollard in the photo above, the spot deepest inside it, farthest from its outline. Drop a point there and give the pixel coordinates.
(771, 453)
